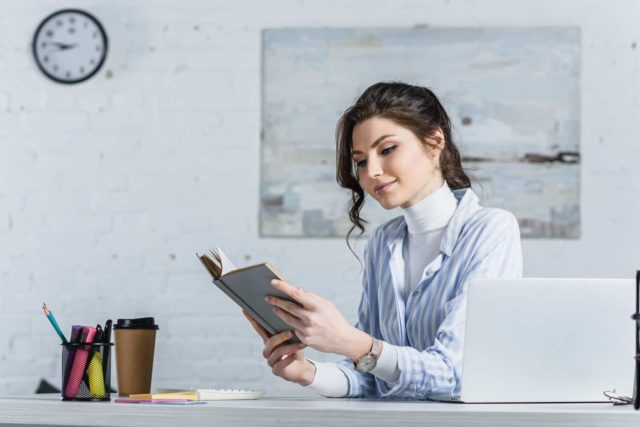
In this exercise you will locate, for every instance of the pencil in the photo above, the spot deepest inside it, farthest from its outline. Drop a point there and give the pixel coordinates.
(53, 322)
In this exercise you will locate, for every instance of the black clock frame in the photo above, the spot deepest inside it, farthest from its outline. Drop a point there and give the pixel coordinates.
(103, 33)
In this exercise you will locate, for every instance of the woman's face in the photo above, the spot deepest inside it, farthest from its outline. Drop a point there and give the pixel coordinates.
(394, 166)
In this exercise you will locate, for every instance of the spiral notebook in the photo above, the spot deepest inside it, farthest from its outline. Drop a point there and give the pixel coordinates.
(247, 287)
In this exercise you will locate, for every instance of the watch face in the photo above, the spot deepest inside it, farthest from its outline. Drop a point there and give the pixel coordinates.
(70, 46)
(366, 364)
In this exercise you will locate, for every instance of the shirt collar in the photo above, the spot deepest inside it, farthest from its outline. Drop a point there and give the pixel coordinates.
(468, 205)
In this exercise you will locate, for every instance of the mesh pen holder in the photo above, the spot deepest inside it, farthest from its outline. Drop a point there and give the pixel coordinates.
(86, 371)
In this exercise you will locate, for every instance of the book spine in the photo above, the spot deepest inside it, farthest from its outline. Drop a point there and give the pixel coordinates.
(220, 284)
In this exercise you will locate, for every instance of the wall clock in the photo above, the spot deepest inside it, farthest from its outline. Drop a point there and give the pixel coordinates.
(70, 46)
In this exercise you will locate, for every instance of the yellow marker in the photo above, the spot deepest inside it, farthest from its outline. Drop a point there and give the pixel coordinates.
(96, 377)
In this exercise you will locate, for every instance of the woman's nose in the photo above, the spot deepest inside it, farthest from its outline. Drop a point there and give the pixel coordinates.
(374, 168)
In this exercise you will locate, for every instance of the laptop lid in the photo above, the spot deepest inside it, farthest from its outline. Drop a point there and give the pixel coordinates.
(548, 340)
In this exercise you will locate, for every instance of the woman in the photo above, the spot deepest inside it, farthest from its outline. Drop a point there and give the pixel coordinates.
(395, 143)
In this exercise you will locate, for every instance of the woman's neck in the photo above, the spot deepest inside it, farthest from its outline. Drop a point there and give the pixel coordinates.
(431, 213)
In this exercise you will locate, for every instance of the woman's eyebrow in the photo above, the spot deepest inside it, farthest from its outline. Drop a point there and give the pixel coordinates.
(375, 143)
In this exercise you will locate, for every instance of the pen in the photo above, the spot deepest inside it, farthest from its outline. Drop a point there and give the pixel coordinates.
(106, 336)
(106, 339)
(53, 322)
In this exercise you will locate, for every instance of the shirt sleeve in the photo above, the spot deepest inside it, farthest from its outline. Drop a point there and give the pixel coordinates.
(329, 380)
(437, 369)
(387, 366)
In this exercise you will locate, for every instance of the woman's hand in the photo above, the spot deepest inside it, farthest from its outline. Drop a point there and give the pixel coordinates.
(317, 321)
(286, 360)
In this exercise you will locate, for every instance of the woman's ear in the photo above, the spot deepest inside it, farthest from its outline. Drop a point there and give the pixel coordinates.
(435, 142)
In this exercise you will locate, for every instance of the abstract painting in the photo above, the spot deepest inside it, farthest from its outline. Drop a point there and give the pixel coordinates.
(513, 96)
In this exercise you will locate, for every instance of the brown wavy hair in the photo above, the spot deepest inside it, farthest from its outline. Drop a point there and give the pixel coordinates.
(413, 107)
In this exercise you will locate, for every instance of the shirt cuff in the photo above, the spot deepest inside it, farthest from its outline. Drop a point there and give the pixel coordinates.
(387, 365)
(329, 380)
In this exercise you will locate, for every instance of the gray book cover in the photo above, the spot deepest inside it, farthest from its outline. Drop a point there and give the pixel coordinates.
(248, 286)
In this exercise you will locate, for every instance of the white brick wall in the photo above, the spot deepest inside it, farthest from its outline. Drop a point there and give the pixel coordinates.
(108, 188)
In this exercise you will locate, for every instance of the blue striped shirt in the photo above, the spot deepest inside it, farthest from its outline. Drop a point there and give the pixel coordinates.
(429, 329)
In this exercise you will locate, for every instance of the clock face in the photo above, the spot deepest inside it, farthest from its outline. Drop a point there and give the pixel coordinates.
(70, 46)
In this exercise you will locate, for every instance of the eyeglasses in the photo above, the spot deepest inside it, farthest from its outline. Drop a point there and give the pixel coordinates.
(619, 399)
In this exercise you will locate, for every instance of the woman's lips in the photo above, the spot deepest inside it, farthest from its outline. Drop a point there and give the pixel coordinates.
(385, 188)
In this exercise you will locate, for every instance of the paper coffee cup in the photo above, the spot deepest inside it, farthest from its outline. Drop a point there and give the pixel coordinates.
(135, 341)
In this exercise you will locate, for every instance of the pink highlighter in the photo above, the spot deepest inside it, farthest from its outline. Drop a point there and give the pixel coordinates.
(79, 362)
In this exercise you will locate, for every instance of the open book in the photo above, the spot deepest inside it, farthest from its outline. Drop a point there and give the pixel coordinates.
(248, 286)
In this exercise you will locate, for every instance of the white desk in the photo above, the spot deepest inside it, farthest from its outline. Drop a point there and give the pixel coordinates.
(278, 411)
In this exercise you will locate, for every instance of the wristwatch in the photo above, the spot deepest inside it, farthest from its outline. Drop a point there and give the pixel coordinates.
(367, 362)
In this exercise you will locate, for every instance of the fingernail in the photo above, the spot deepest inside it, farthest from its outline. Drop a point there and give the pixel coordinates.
(274, 282)
(266, 299)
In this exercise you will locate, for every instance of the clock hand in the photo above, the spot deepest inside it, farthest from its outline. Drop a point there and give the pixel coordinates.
(64, 46)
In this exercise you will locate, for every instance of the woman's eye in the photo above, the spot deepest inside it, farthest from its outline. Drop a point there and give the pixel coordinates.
(384, 152)
(388, 150)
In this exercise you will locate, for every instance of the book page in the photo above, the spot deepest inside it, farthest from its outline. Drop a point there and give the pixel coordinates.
(227, 265)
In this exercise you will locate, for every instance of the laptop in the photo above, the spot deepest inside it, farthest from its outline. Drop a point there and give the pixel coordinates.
(547, 340)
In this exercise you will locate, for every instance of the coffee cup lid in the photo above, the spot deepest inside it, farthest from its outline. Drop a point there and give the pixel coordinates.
(139, 323)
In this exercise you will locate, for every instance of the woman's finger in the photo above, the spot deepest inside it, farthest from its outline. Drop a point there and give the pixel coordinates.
(264, 334)
(289, 318)
(298, 294)
(281, 364)
(284, 350)
(274, 342)
(289, 306)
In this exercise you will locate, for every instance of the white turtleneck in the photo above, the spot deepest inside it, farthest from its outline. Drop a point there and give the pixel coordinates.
(427, 222)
